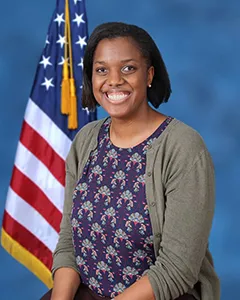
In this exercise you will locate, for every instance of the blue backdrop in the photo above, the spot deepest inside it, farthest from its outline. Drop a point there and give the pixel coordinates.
(200, 43)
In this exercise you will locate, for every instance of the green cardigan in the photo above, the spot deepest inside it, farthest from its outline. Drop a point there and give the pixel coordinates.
(180, 197)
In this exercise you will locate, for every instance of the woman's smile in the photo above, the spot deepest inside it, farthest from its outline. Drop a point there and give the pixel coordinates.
(117, 97)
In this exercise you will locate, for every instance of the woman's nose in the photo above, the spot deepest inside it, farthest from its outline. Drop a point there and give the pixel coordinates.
(115, 78)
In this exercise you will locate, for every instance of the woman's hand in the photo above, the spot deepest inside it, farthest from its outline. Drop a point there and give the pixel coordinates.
(66, 283)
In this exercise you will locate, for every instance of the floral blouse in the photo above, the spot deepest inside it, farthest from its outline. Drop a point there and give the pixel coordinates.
(112, 233)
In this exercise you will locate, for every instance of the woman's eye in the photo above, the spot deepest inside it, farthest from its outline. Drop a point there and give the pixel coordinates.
(101, 70)
(128, 69)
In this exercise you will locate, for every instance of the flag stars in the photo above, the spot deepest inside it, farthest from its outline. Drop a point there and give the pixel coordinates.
(61, 40)
(86, 110)
(81, 63)
(47, 83)
(47, 41)
(81, 41)
(62, 61)
(78, 19)
(59, 19)
(45, 62)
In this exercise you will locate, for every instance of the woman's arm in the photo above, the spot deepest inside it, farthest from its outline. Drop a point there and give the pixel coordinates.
(187, 222)
(65, 270)
(66, 283)
(140, 290)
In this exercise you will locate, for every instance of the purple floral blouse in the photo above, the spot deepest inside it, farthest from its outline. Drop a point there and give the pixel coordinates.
(112, 233)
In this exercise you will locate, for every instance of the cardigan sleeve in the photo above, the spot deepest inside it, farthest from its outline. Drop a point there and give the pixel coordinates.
(64, 255)
(187, 223)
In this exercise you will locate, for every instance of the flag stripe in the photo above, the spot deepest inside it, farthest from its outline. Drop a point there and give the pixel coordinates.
(34, 169)
(29, 218)
(29, 191)
(43, 151)
(26, 258)
(42, 124)
(27, 240)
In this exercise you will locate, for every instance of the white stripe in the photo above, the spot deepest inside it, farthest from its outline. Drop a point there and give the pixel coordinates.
(41, 123)
(29, 218)
(35, 170)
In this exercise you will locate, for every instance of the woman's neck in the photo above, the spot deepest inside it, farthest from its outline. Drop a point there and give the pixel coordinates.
(130, 132)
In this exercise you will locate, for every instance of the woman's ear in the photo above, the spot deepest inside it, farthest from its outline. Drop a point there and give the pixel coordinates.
(150, 75)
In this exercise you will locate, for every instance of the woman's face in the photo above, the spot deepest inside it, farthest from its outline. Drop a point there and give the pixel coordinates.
(120, 77)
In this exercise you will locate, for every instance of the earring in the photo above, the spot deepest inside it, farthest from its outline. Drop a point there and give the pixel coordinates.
(150, 85)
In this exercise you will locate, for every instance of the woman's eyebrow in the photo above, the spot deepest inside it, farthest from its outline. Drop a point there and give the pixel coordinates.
(128, 60)
(102, 62)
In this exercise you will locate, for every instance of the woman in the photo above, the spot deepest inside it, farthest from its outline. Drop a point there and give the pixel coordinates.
(139, 196)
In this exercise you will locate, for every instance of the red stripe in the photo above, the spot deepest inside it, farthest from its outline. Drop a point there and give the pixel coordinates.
(35, 143)
(30, 192)
(27, 240)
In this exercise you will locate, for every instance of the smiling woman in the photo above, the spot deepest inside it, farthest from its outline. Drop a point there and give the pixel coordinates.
(139, 197)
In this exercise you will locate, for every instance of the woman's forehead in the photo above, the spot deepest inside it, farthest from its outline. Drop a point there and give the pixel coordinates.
(121, 48)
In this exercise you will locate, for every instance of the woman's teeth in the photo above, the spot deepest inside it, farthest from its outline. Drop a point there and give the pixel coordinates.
(117, 96)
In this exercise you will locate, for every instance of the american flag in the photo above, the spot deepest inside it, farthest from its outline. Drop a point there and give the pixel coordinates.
(36, 193)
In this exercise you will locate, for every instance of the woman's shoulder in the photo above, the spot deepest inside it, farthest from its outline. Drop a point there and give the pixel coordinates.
(90, 127)
(181, 148)
(85, 138)
(182, 141)
(183, 134)
(88, 131)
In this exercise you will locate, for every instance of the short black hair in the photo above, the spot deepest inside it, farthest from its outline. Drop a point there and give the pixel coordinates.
(160, 87)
